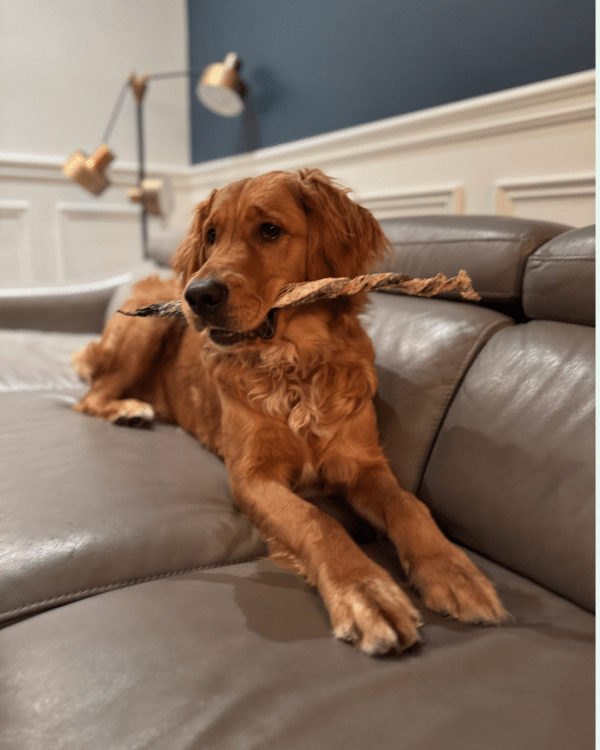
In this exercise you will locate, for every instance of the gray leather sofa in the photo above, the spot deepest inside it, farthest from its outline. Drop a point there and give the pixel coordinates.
(137, 612)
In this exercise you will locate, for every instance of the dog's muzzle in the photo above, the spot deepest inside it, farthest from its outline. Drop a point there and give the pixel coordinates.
(266, 330)
(208, 297)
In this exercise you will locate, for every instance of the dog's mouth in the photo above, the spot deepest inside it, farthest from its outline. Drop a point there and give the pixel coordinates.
(265, 331)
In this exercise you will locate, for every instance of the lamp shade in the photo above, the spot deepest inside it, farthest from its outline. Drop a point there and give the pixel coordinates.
(220, 88)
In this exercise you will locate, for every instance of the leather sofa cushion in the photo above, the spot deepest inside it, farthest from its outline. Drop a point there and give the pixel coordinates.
(560, 279)
(242, 657)
(106, 506)
(88, 506)
(512, 471)
(492, 249)
(35, 361)
(423, 349)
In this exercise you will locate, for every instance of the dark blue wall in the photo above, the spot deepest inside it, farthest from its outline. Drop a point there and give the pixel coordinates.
(319, 65)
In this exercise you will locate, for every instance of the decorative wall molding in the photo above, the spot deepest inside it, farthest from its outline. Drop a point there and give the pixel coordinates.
(106, 210)
(53, 232)
(111, 232)
(510, 192)
(38, 168)
(442, 199)
(12, 207)
(15, 239)
(552, 197)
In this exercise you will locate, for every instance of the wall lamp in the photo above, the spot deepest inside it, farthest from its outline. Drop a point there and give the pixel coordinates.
(220, 89)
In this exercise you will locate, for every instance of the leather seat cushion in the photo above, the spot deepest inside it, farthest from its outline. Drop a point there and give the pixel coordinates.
(242, 656)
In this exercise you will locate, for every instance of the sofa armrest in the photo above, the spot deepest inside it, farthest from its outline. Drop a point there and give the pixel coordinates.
(75, 309)
(559, 279)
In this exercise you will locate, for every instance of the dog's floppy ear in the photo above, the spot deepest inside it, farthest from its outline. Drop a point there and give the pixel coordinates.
(344, 239)
(190, 254)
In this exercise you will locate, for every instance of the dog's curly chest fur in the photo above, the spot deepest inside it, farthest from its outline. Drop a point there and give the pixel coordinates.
(310, 396)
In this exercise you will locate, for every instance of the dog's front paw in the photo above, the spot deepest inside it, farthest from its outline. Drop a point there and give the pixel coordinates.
(452, 585)
(133, 413)
(373, 613)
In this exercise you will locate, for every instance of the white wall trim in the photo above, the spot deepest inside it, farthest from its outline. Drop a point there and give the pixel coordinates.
(430, 199)
(513, 196)
(99, 209)
(553, 186)
(70, 211)
(14, 206)
(20, 210)
(549, 103)
(39, 168)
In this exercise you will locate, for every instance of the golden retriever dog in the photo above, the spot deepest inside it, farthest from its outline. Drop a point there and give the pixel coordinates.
(285, 398)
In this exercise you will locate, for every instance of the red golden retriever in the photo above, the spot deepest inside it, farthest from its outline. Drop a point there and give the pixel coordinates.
(286, 398)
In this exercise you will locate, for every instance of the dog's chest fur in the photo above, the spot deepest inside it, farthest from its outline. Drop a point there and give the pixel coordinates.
(309, 396)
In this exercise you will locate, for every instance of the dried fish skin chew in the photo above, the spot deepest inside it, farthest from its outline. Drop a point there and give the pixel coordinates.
(305, 292)
(157, 310)
(310, 291)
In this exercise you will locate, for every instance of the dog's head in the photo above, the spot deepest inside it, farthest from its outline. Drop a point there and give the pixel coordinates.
(250, 239)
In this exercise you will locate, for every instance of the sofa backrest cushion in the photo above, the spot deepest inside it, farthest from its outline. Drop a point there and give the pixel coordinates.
(492, 249)
(423, 349)
(512, 471)
(559, 280)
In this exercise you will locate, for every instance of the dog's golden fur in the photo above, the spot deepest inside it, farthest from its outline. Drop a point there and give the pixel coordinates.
(290, 409)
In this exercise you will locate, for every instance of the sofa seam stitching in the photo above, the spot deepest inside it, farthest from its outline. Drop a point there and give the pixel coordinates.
(544, 259)
(122, 584)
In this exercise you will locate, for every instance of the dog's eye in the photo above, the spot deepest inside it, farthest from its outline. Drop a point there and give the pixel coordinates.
(211, 236)
(270, 231)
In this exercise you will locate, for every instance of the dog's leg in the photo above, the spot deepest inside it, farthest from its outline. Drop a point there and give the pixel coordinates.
(116, 366)
(365, 605)
(101, 401)
(443, 574)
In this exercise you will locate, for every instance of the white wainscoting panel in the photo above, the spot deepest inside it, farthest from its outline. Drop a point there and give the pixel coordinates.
(52, 232)
(15, 242)
(442, 199)
(109, 233)
(572, 195)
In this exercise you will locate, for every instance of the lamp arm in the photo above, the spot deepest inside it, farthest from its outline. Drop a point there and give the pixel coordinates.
(116, 111)
(123, 93)
(177, 74)
(141, 165)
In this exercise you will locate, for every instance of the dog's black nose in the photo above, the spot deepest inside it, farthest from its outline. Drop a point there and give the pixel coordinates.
(207, 297)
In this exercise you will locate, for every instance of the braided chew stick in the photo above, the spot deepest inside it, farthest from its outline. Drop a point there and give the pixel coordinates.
(310, 291)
